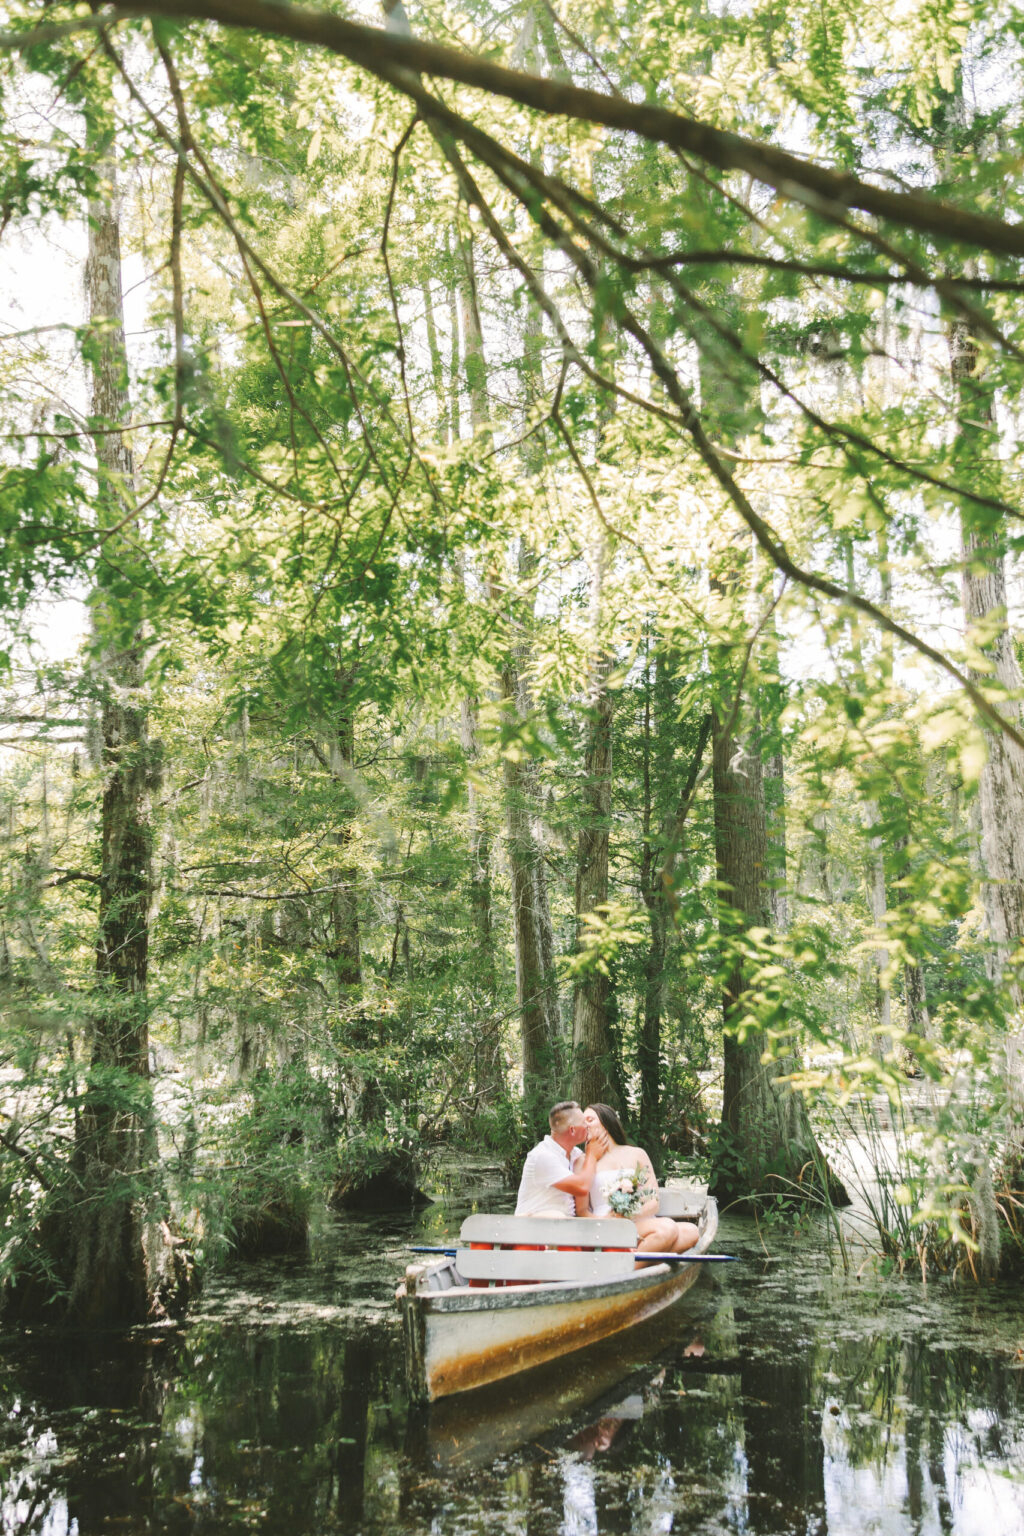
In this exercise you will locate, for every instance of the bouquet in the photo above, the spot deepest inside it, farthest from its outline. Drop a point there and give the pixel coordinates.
(629, 1192)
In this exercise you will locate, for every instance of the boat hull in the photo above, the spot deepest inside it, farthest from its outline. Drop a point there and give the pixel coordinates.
(463, 1338)
(544, 1406)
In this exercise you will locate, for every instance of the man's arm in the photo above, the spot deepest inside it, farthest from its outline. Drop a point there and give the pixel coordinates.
(579, 1182)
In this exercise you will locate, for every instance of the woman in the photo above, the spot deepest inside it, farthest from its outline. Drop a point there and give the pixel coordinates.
(657, 1234)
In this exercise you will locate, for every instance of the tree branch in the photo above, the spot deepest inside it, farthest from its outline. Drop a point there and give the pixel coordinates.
(27, 1158)
(791, 176)
(68, 875)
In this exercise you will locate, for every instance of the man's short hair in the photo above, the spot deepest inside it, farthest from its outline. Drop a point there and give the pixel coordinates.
(562, 1115)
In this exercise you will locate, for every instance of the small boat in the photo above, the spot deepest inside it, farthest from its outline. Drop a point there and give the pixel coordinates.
(522, 1290)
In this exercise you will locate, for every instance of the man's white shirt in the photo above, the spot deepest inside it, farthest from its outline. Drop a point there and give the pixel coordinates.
(546, 1165)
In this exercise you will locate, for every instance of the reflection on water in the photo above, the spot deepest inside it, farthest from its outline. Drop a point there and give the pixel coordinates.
(775, 1398)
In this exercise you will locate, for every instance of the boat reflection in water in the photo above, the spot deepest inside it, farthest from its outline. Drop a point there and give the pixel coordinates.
(578, 1402)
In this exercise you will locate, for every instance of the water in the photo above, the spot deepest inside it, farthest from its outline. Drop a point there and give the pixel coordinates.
(778, 1397)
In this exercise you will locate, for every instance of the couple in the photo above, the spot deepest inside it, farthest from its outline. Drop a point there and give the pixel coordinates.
(560, 1179)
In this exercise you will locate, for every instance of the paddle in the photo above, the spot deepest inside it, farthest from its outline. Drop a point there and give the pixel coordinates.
(643, 1258)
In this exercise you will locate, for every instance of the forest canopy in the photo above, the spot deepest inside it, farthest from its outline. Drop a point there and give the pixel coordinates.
(540, 494)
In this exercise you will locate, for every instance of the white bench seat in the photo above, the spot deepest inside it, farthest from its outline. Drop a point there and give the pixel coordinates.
(681, 1204)
(549, 1231)
(512, 1267)
(518, 1250)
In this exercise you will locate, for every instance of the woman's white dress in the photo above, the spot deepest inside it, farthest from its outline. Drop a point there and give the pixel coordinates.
(603, 1181)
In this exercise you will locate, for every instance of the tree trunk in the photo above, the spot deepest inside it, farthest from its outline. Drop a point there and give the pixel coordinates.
(594, 1068)
(775, 815)
(489, 1066)
(878, 902)
(874, 864)
(649, 1047)
(479, 836)
(1001, 790)
(770, 703)
(437, 365)
(917, 1021)
(344, 952)
(455, 358)
(473, 340)
(766, 1144)
(115, 1249)
(918, 1017)
(536, 988)
(479, 860)
(653, 896)
(536, 984)
(658, 855)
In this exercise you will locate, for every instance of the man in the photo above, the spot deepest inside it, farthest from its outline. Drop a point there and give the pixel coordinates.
(556, 1169)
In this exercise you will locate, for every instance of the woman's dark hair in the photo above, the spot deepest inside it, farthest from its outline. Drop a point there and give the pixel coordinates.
(611, 1122)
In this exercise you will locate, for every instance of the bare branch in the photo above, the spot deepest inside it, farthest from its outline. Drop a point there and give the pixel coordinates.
(67, 876)
(30, 1162)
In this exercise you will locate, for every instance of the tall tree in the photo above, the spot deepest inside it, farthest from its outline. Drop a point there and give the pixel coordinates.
(771, 701)
(766, 1142)
(653, 895)
(490, 1067)
(345, 949)
(1001, 789)
(113, 1256)
(536, 984)
(983, 545)
(533, 932)
(666, 805)
(595, 1071)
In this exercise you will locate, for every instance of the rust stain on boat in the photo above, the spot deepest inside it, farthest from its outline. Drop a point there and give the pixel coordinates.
(476, 1370)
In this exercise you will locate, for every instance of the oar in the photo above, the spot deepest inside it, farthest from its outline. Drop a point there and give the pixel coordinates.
(644, 1258)
(686, 1258)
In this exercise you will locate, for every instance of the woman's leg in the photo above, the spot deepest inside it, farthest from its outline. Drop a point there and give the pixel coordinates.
(657, 1234)
(686, 1235)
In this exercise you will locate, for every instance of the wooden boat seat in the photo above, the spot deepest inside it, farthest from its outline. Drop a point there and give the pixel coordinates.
(519, 1250)
(517, 1268)
(548, 1232)
(442, 1279)
(682, 1204)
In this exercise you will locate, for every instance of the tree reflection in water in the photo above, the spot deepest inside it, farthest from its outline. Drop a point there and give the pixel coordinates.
(812, 1405)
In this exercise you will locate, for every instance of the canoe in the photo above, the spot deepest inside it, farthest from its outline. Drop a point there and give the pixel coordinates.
(526, 1290)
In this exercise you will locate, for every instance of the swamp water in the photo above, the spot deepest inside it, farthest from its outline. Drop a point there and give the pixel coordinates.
(779, 1396)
